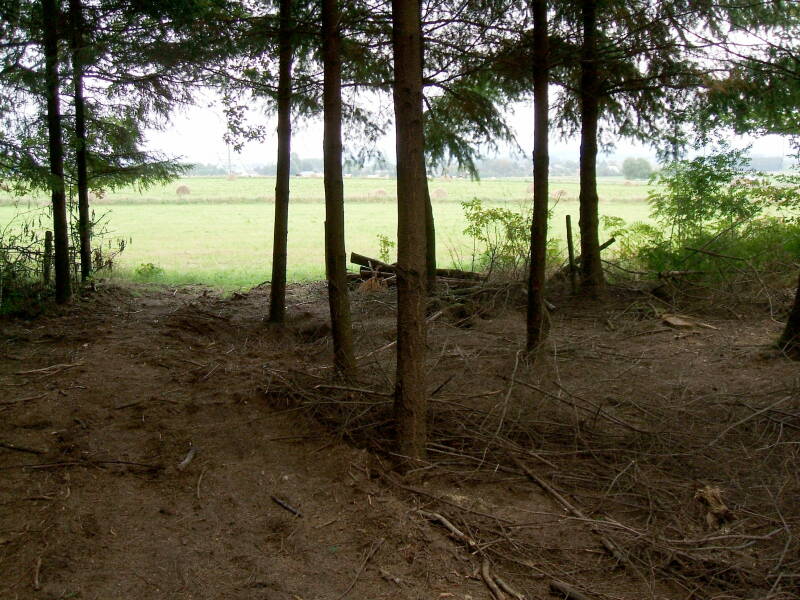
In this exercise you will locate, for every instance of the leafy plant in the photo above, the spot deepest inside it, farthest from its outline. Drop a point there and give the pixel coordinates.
(717, 218)
(717, 191)
(386, 247)
(501, 238)
(148, 271)
(502, 235)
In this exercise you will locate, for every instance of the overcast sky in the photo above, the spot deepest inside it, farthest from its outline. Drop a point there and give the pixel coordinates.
(196, 135)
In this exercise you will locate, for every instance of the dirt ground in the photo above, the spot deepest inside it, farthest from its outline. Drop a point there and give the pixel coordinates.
(169, 443)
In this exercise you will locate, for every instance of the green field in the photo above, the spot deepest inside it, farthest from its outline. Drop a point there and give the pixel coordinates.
(221, 233)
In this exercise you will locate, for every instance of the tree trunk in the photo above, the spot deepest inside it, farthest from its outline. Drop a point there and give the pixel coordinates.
(592, 278)
(430, 241)
(789, 341)
(430, 224)
(538, 322)
(277, 297)
(410, 396)
(51, 11)
(81, 149)
(335, 255)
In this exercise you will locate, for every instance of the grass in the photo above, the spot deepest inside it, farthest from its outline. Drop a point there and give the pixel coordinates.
(223, 236)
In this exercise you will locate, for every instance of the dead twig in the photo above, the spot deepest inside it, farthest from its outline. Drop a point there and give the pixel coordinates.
(200, 480)
(375, 547)
(745, 420)
(52, 369)
(286, 506)
(20, 400)
(187, 459)
(37, 568)
(17, 448)
(343, 388)
(430, 319)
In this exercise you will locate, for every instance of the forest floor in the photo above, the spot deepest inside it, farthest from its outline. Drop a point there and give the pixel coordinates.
(169, 443)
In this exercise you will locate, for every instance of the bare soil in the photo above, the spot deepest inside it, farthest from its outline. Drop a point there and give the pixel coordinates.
(169, 443)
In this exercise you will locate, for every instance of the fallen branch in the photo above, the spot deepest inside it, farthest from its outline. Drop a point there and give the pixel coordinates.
(486, 575)
(715, 254)
(503, 585)
(343, 388)
(567, 591)
(17, 448)
(609, 545)
(450, 527)
(378, 265)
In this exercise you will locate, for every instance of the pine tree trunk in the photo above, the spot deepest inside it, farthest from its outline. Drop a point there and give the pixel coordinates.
(430, 224)
(430, 239)
(538, 323)
(410, 396)
(81, 149)
(335, 255)
(789, 341)
(277, 297)
(592, 278)
(56, 152)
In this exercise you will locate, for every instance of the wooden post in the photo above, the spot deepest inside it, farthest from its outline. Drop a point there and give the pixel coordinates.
(571, 251)
(47, 261)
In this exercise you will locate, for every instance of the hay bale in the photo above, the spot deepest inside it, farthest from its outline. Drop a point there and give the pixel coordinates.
(183, 190)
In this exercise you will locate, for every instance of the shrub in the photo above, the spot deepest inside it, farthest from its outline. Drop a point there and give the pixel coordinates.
(717, 218)
(501, 239)
(148, 272)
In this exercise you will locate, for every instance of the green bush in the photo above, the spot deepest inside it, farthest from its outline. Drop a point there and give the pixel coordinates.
(501, 239)
(148, 272)
(718, 218)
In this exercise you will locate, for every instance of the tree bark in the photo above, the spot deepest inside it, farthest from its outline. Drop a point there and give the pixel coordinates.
(410, 395)
(81, 147)
(789, 341)
(277, 297)
(430, 241)
(538, 322)
(592, 278)
(51, 11)
(335, 255)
